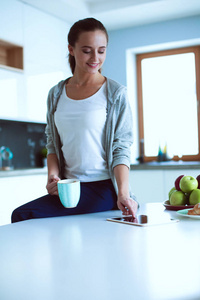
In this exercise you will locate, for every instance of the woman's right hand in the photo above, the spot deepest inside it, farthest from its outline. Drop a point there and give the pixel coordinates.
(52, 185)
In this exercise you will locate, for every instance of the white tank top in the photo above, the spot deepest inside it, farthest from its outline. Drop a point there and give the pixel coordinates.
(81, 126)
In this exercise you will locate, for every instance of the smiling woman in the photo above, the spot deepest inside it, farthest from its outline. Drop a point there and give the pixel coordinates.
(89, 133)
(74, 36)
(87, 56)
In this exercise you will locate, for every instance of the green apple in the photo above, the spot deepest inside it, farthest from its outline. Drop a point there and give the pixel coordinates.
(194, 197)
(188, 184)
(171, 191)
(178, 198)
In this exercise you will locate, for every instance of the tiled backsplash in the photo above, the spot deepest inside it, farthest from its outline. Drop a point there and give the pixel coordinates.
(25, 140)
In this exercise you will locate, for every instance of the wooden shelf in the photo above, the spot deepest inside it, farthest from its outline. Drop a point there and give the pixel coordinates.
(11, 56)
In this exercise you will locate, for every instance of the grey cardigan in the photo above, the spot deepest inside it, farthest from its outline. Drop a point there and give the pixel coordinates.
(118, 130)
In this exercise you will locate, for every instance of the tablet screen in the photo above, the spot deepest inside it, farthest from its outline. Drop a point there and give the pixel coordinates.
(143, 220)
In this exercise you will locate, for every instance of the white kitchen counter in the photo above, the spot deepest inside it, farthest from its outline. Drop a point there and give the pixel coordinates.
(23, 172)
(167, 165)
(87, 257)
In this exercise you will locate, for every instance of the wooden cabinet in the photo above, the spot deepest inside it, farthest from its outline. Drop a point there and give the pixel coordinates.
(11, 56)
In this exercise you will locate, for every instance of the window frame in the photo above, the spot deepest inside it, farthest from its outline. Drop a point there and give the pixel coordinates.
(139, 58)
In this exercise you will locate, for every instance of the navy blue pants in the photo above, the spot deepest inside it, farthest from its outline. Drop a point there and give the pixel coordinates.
(95, 197)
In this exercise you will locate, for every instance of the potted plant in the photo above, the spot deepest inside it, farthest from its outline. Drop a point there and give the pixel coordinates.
(44, 156)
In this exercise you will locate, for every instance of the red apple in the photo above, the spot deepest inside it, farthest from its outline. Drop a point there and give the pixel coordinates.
(177, 181)
(198, 179)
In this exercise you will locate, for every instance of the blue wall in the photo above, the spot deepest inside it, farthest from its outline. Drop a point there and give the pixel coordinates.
(162, 32)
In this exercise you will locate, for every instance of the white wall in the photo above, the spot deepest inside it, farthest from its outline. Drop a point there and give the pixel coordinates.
(44, 38)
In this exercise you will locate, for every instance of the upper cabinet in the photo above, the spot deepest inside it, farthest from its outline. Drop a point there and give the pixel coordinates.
(11, 56)
(12, 21)
(33, 58)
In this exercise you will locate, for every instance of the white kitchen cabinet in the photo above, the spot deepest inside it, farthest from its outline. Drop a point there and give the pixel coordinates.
(16, 191)
(154, 185)
(11, 21)
(147, 185)
(43, 38)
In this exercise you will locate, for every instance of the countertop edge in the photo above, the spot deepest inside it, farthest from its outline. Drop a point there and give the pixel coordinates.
(171, 165)
(134, 167)
(23, 172)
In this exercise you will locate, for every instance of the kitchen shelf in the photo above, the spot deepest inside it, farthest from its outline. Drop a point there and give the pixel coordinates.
(11, 56)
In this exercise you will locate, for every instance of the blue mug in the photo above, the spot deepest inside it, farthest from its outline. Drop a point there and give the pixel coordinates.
(69, 192)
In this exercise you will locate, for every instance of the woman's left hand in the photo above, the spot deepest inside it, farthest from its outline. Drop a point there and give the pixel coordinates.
(127, 205)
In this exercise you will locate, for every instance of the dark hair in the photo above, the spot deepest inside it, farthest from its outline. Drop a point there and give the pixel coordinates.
(88, 24)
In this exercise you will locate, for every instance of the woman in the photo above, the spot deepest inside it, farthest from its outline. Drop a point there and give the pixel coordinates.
(89, 133)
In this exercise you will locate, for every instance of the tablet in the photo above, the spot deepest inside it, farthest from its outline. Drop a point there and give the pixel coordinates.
(143, 220)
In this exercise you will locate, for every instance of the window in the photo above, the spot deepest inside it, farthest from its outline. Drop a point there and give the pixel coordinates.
(168, 96)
